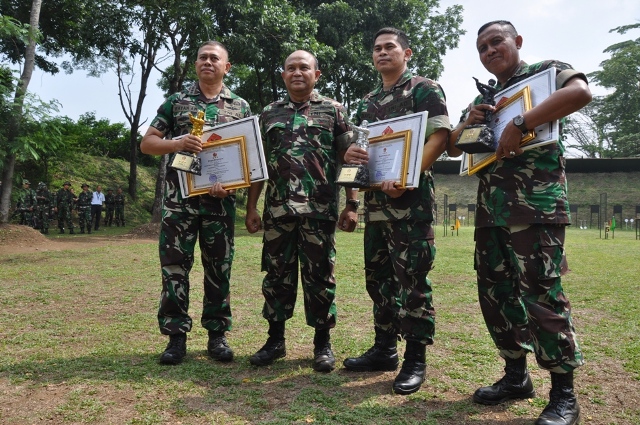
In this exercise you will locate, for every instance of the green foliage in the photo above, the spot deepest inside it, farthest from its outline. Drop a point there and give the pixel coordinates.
(617, 114)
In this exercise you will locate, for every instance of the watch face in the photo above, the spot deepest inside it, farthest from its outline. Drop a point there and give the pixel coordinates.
(518, 120)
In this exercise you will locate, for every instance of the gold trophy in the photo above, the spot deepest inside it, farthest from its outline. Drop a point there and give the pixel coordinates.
(479, 138)
(189, 161)
(357, 175)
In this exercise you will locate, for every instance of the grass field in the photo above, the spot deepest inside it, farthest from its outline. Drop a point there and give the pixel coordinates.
(79, 343)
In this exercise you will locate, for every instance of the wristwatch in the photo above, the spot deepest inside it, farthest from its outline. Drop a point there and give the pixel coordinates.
(518, 121)
(355, 203)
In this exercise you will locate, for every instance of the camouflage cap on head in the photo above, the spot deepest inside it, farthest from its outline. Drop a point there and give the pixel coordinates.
(66, 184)
(42, 185)
(25, 181)
(109, 190)
(84, 185)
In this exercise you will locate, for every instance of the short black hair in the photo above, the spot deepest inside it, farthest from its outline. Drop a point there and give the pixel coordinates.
(401, 35)
(214, 43)
(510, 28)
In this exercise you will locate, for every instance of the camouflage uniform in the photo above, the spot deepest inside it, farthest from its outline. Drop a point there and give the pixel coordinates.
(521, 214)
(119, 207)
(28, 204)
(110, 203)
(204, 218)
(301, 206)
(44, 199)
(84, 210)
(399, 246)
(64, 202)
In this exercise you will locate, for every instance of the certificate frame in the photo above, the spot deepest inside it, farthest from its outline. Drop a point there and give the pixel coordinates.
(417, 124)
(233, 149)
(517, 104)
(392, 147)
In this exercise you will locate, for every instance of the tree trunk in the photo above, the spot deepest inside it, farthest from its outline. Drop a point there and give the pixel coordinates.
(14, 120)
(156, 211)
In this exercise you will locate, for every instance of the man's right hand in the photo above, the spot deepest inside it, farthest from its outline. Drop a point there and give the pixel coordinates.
(191, 143)
(356, 155)
(252, 221)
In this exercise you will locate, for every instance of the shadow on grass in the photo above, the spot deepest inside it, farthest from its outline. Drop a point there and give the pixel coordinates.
(286, 392)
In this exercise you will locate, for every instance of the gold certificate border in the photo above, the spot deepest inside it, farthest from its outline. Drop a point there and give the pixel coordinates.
(482, 160)
(244, 165)
(403, 137)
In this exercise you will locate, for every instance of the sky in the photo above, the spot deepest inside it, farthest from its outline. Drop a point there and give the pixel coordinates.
(573, 31)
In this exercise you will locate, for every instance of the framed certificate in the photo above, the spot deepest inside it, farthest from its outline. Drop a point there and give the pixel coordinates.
(505, 111)
(224, 161)
(541, 86)
(416, 124)
(389, 158)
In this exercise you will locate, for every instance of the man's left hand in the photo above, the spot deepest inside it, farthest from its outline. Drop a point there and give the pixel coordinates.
(217, 191)
(509, 144)
(389, 187)
(348, 220)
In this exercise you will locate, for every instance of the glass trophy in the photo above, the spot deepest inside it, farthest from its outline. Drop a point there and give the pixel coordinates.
(188, 161)
(479, 138)
(357, 175)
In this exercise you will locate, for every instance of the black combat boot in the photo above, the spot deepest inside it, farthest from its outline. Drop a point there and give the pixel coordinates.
(61, 230)
(563, 408)
(273, 349)
(218, 347)
(82, 230)
(71, 232)
(323, 360)
(412, 373)
(382, 356)
(515, 384)
(176, 349)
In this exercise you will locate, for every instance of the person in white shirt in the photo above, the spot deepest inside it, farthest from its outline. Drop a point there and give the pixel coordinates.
(96, 207)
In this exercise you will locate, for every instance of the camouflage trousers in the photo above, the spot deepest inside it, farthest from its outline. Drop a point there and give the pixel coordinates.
(119, 215)
(64, 216)
(178, 235)
(84, 218)
(43, 217)
(398, 255)
(108, 215)
(287, 241)
(521, 296)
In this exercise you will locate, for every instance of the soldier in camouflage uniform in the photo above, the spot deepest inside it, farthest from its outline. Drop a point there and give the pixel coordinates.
(110, 203)
(208, 218)
(304, 135)
(522, 211)
(119, 206)
(44, 199)
(64, 205)
(399, 247)
(84, 208)
(28, 203)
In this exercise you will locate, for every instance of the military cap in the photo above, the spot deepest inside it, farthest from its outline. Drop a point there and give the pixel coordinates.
(84, 185)
(25, 181)
(66, 184)
(109, 190)
(42, 185)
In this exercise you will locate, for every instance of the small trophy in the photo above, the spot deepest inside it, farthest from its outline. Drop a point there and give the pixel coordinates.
(357, 175)
(479, 138)
(189, 161)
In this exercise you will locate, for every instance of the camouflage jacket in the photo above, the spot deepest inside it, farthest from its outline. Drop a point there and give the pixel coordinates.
(532, 187)
(409, 95)
(172, 120)
(65, 198)
(28, 198)
(301, 146)
(119, 199)
(44, 198)
(109, 200)
(84, 199)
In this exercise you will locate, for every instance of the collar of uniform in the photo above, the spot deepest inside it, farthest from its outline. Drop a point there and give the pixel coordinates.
(523, 67)
(194, 90)
(406, 76)
(314, 98)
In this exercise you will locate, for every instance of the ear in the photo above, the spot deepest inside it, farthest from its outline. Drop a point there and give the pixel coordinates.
(407, 54)
(227, 67)
(317, 74)
(519, 42)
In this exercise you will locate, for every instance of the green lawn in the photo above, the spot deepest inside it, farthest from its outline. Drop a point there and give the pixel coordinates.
(79, 343)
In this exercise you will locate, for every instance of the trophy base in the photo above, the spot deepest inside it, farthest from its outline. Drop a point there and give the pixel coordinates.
(187, 162)
(476, 139)
(354, 176)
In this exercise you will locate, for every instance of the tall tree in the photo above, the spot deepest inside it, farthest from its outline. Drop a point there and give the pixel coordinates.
(18, 103)
(619, 112)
